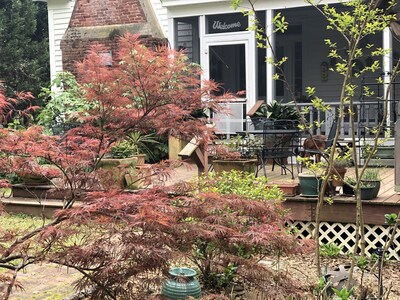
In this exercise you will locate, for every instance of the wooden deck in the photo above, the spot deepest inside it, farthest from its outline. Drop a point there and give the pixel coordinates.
(343, 209)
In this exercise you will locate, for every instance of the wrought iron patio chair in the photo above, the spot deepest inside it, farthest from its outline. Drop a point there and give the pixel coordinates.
(280, 139)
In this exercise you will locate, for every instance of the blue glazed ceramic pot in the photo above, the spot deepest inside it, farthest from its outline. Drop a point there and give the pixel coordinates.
(182, 284)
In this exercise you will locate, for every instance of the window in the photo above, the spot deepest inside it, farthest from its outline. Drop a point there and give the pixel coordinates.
(228, 67)
(187, 37)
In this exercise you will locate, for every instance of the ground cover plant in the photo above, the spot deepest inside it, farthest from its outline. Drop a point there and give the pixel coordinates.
(239, 183)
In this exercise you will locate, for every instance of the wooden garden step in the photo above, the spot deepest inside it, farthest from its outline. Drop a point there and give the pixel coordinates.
(32, 206)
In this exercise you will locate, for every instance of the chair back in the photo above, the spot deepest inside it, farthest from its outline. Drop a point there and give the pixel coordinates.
(331, 135)
(281, 139)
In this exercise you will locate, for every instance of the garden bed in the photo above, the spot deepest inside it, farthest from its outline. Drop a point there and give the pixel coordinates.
(301, 269)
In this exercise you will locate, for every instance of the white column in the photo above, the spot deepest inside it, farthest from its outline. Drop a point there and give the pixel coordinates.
(269, 31)
(387, 67)
(203, 50)
(171, 33)
(251, 68)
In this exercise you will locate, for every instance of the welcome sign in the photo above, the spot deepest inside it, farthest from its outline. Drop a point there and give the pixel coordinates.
(227, 23)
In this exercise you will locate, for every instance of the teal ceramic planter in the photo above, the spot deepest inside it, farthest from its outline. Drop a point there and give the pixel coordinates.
(309, 185)
(182, 284)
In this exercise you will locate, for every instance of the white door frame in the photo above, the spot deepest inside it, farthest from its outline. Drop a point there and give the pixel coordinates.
(220, 39)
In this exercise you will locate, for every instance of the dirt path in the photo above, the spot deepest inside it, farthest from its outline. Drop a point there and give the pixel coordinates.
(45, 282)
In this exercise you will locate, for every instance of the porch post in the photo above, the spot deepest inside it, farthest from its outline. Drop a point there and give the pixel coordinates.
(387, 68)
(397, 153)
(171, 32)
(269, 31)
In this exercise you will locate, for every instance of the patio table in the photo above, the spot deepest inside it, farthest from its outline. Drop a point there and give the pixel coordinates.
(278, 146)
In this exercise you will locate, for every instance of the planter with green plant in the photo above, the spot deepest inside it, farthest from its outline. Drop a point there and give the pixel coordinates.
(115, 169)
(310, 184)
(235, 154)
(136, 145)
(310, 179)
(385, 152)
(367, 191)
(371, 178)
(127, 160)
(383, 156)
(33, 179)
(340, 165)
(276, 110)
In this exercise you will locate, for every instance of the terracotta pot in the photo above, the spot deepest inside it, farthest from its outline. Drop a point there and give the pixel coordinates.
(288, 189)
(337, 178)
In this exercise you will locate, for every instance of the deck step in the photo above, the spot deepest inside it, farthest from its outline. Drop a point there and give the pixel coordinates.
(32, 206)
(38, 192)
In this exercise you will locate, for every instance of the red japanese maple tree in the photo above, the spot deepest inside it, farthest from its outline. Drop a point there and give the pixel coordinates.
(119, 240)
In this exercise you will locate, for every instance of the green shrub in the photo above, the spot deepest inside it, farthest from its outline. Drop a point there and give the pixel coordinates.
(330, 249)
(371, 175)
(239, 183)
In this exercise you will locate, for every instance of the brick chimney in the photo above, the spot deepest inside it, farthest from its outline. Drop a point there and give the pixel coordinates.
(104, 21)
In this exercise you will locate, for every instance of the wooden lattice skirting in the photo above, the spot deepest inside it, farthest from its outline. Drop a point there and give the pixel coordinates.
(344, 235)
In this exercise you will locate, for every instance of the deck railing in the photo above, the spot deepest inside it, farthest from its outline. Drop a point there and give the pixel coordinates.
(367, 114)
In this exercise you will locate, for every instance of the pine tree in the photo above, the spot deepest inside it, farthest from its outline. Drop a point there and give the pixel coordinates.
(24, 55)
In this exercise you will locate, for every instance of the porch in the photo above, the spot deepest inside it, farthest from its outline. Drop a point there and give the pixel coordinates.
(338, 219)
(343, 207)
(307, 66)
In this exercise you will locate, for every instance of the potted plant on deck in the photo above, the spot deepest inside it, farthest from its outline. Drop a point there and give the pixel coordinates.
(235, 154)
(310, 184)
(348, 186)
(367, 191)
(35, 179)
(371, 178)
(277, 110)
(383, 155)
(136, 145)
(310, 180)
(340, 165)
(127, 160)
(114, 170)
